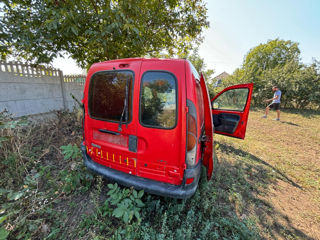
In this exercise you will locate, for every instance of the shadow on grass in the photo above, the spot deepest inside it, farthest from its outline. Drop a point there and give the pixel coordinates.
(232, 205)
(290, 123)
(245, 179)
(239, 152)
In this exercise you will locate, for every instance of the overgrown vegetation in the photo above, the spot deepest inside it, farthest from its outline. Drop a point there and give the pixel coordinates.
(277, 62)
(47, 193)
(34, 175)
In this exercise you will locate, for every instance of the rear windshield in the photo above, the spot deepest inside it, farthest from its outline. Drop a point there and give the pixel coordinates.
(107, 93)
(158, 101)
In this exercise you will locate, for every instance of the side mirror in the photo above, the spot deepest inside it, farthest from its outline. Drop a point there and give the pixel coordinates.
(215, 105)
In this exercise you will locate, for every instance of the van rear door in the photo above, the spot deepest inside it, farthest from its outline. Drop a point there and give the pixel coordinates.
(208, 140)
(161, 146)
(110, 125)
(230, 110)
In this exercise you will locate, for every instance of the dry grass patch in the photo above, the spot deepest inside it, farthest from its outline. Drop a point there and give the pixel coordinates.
(265, 187)
(290, 149)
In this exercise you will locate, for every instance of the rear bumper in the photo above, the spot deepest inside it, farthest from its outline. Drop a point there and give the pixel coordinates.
(151, 186)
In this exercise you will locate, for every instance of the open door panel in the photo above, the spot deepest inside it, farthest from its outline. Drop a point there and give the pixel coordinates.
(230, 110)
(208, 143)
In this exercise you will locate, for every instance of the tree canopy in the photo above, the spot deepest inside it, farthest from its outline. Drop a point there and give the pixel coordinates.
(272, 54)
(95, 30)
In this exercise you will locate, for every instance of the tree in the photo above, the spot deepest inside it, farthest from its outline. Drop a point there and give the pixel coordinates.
(277, 62)
(273, 63)
(306, 86)
(265, 57)
(283, 76)
(96, 30)
(272, 54)
(199, 64)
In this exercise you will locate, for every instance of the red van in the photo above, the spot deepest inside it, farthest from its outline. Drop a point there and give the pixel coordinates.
(149, 123)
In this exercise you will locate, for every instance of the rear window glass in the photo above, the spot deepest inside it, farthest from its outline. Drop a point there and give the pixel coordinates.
(158, 102)
(107, 93)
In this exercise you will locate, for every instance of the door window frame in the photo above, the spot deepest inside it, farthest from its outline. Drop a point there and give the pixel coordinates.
(177, 103)
(216, 97)
(132, 93)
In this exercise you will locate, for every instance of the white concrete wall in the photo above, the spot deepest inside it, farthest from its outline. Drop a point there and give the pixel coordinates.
(73, 85)
(26, 90)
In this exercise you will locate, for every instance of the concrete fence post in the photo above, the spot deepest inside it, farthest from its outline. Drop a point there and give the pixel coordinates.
(63, 91)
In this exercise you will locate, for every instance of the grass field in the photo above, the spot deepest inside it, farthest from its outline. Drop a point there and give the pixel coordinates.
(287, 204)
(265, 187)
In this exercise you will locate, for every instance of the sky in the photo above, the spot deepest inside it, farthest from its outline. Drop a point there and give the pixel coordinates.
(236, 26)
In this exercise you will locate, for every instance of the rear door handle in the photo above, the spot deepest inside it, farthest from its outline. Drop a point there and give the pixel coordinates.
(109, 132)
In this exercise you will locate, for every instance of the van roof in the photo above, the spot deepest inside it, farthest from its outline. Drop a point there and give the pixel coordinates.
(139, 59)
(101, 66)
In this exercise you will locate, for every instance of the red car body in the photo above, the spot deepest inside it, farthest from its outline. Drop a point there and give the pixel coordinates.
(148, 123)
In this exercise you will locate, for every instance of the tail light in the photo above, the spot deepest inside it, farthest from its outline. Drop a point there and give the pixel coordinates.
(191, 134)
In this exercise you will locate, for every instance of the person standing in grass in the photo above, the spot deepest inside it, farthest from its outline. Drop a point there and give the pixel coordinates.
(275, 104)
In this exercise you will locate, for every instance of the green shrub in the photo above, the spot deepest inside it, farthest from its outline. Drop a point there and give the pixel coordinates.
(70, 152)
(127, 201)
(79, 178)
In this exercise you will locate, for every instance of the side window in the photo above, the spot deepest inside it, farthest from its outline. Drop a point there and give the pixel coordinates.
(107, 93)
(233, 100)
(158, 100)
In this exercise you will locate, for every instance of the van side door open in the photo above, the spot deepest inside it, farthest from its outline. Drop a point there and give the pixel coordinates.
(230, 110)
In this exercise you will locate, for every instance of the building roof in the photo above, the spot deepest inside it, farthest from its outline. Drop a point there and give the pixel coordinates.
(222, 76)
